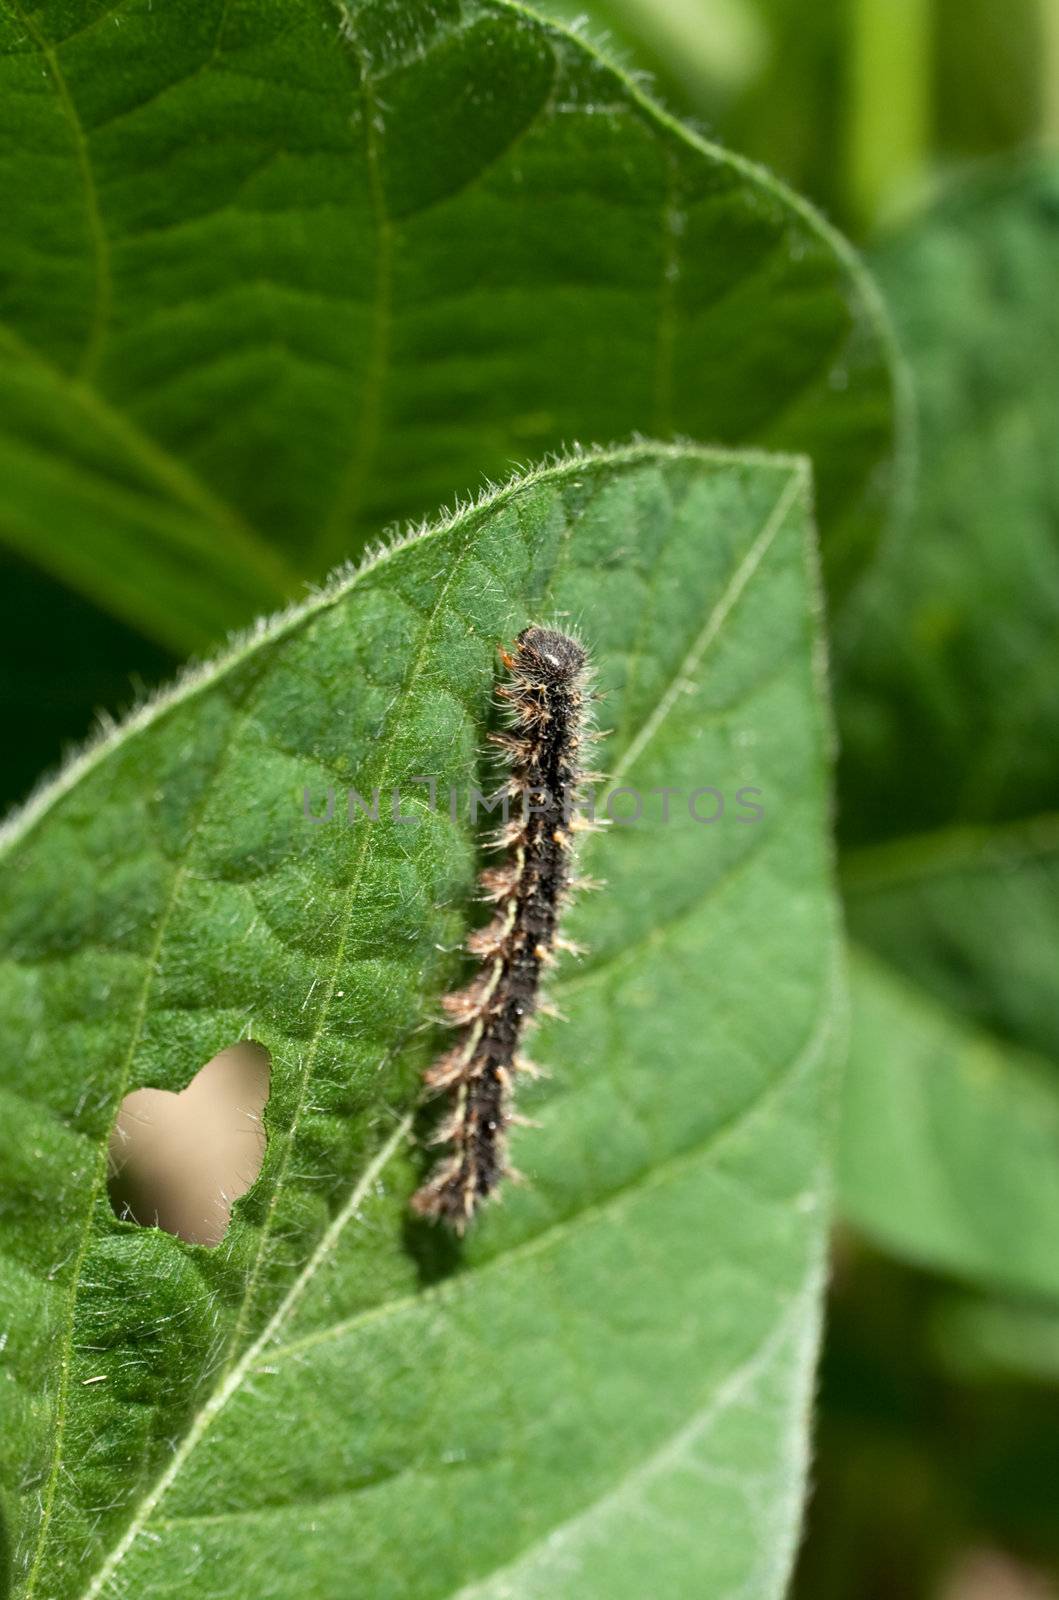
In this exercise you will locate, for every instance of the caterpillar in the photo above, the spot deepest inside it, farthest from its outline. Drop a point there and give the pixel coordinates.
(545, 699)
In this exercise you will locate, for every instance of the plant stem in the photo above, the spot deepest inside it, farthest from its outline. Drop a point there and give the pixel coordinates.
(890, 101)
(1050, 71)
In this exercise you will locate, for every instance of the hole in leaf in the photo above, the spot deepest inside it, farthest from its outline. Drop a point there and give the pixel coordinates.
(179, 1161)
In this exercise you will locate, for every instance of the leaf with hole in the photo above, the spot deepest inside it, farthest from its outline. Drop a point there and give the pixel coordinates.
(604, 1390)
(180, 1160)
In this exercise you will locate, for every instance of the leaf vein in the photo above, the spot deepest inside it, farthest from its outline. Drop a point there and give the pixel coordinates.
(136, 1032)
(94, 339)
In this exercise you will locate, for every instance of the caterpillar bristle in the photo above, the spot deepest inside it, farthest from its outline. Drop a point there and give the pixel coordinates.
(543, 702)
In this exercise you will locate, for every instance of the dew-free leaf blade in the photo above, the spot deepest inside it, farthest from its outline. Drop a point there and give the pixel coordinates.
(984, 1339)
(620, 1356)
(950, 1140)
(950, 1143)
(272, 280)
(91, 498)
(971, 916)
(948, 693)
(950, 719)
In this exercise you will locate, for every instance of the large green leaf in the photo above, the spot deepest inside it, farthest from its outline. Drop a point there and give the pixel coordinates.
(926, 1446)
(950, 1148)
(985, 1340)
(950, 696)
(605, 1390)
(271, 277)
(950, 712)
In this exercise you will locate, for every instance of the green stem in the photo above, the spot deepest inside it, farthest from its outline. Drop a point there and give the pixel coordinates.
(1050, 71)
(890, 101)
(708, 44)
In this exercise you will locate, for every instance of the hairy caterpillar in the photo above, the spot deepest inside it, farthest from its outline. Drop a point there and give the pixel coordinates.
(545, 697)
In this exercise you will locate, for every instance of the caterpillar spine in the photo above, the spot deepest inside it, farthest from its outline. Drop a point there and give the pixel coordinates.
(546, 697)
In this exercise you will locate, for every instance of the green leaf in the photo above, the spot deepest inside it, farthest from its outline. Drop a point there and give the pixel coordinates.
(971, 915)
(912, 1466)
(605, 1390)
(950, 1137)
(950, 694)
(950, 717)
(271, 278)
(985, 1341)
(950, 1142)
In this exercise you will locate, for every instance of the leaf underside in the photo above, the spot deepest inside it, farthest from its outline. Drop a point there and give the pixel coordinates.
(605, 1390)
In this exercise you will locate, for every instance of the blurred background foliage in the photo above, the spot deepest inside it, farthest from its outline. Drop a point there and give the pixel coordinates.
(866, 106)
(938, 1442)
(860, 104)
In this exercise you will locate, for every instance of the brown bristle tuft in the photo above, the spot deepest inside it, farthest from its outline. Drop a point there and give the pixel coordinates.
(545, 699)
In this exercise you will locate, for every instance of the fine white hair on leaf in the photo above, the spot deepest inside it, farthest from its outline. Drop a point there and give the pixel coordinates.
(198, 676)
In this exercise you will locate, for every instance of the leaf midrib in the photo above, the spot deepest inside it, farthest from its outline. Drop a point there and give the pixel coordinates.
(248, 542)
(736, 1383)
(651, 1177)
(369, 425)
(179, 876)
(794, 469)
(174, 476)
(642, 1182)
(411, 679)
(198, 679)
(94, 340)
